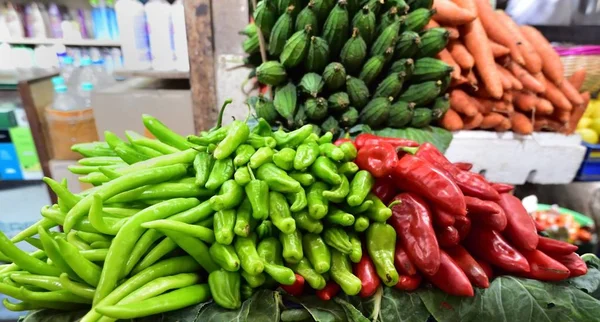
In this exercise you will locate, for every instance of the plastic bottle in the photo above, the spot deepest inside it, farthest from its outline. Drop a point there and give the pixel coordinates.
(68, 69)
(113, 27)
(45, 19)
(55, 20)
(63, 101)
(103, 77)
(85, 75)
(179, 36)
(100, 19)
(134, 34)
(13, 22)
(85, 95)
(35, 23)
(160, 30)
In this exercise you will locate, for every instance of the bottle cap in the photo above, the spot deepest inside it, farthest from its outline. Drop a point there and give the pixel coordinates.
(60, 88)
(85, 61)
(87, 86)
(58, 80)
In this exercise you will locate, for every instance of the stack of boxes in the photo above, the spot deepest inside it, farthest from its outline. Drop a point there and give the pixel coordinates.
(18, 156)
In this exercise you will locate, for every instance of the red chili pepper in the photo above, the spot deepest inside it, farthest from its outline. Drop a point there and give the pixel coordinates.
(490, 246)
(486, 213)
(339, 142)
(448, 236)
(463, 225)
(408, 282)
(412, 221)
(469, 265)
(417, 175)
(487, 268)
(573, 262)
(502, 187)
(402, 262)
(295, 289)
(543, 267)
(465, 166)
(366, 139)
(379, 159)
(539, 226)
(471, 184)
(329, 291)
(555, 247)
(521, 227)
(384, 189)
(441, 217)
(365, 271)
(450, 278)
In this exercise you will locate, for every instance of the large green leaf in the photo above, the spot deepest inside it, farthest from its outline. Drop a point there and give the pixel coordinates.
(321, 311)
(435, 135)
(590, 282)
(390, 305)
(262, 306)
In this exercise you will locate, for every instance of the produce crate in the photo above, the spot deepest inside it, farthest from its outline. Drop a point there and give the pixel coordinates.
(590, 168)
(543, 157)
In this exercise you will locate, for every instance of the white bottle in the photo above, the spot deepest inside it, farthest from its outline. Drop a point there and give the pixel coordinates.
(182, 62)
(67, 69)
(62, 100)
(103, 77)
(160, 32)
(131, 19)
(85, 95)
(13, 22)
(86, 75)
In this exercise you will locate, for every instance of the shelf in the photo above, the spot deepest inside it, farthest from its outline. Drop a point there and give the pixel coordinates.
(9, 82)
(543, 158)
(159, 74)
(66, 42)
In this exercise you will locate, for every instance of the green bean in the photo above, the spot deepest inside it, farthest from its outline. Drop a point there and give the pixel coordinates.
(127, 236)
(74, 240)
(163, 248)
(123, 183)
(87, 169)
(78, 289)
(35, 242)
(119, 212)
(33, 229)
(101, 161)
(62, 192)
(85, 269)
(160, 286)
(202, 233)
(104, 225)
(195, 248)
(182, 157)
(53, 252)
(49, 283)
(54, 296)
(24, 260)
(171, 301)
(95, 255)
(92, 237)
(100, 245)
(166, 190)
(30, 306)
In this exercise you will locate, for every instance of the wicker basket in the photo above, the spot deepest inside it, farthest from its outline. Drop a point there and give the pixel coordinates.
(582, 57)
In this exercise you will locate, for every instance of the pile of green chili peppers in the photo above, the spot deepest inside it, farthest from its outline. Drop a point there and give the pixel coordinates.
(174, 221)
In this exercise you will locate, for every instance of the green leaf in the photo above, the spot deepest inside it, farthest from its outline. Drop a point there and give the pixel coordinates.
(514, 299)
(590, 282)
(321, 311)
(352, 313)
(439, 137)
(262, 306)
(388, 305)
(53, 316)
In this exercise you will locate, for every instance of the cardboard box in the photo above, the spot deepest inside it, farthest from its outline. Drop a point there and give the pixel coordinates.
(120, 107)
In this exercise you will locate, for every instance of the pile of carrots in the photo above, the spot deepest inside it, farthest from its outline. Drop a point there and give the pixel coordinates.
(506, 77)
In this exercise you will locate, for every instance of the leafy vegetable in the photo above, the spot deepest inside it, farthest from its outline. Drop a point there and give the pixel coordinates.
(590, 282)
(437, 136)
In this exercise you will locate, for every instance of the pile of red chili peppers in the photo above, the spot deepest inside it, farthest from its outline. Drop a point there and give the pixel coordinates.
(455, 229)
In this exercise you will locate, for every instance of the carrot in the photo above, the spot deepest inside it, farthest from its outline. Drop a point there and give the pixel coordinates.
(461, 55)
(577, 112)
(448, 13)
(562, 116)
(491, 120)
(485, 106)
(496, 31)
(508, 96)
(445, 56)
(556, 97)
(521, 124)
(525, 101)
(506, 82)
(451, 121)
(472, 122)
(499, 50)
(468, 5)
(544, 107)
(577, 79)
(533, 62)
(545, 123)
(504, 126)
(571, 93)
(472, 79)
(459, 81)
(452, 31)
(529, 82)
(479, 46)
(551, 64)
(515, 83)
(482, 109)
(461, 102)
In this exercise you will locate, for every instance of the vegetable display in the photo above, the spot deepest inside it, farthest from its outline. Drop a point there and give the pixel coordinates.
(338, 64)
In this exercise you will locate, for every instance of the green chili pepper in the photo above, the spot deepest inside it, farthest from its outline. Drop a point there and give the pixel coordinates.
(86, 270)
(262, 128)
(225, 256)
(78, 289)
(378, 212)
(100, 245)
(24, 260)
(245, 247)
(92, 237)
(358, 209)
(349, 150)
(160, 286)
(207, 138)
(242, 176)
(246, 291)
(292, 139)
(243, 154)
(277, 179)
(298, 200)
(279, 213)
(304, 221)
(159, 251)
(244, 222)
(339, 192)
(292, 246)
(161, 191)
(32, 230)
(306, 155)
(306, 179)
(313, 137)
(326, 170)
(317, 252)
(163, 133)
(63, 194)
(221, 172)
(327, 137)
(52, 251)
(94, 255)
(237, 134)
(348, 169)
(129, 155)
(54, 296)
(230, 196)
(281, 274)
(257, 192)
(94, 149)
(270, 250)
(225, 288)
(195, 248)
(254, 280)
(261, 156)
(361, 223)
(184, 157)
(265, 229)
(202, 233)
(258, 141)
(360, 187)
(203, 164)
(331, 151)
(48, 283)
(356, 253)
(142, 141)
(211, 148)
(305, 269)
(381, 244)
(337, 238)
(284, 158)
(318, 205)
(339, 217)
(223, 226)
(341, 273)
